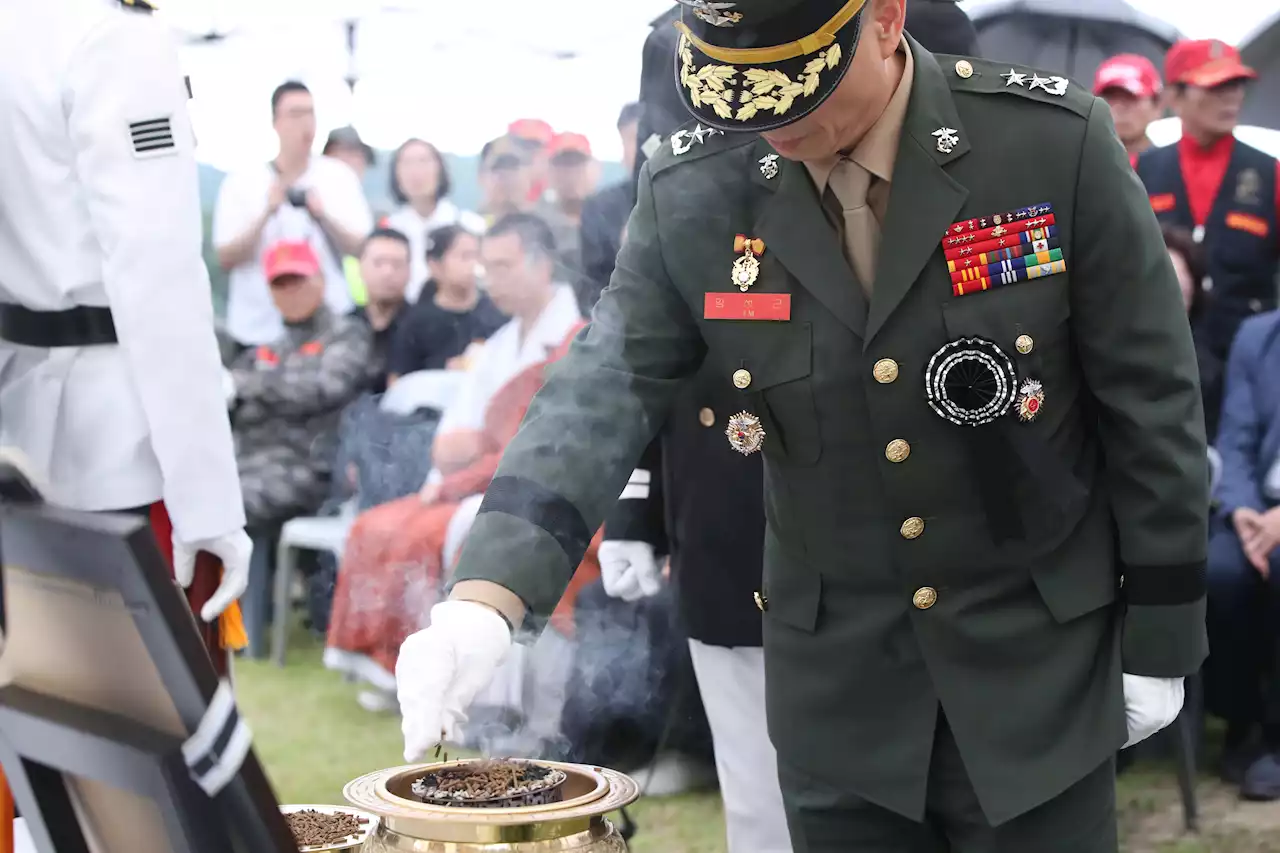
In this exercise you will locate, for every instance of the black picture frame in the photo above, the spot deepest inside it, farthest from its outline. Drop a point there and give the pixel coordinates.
(45, 738)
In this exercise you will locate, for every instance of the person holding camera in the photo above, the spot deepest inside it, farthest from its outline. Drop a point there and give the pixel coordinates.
(297, 196)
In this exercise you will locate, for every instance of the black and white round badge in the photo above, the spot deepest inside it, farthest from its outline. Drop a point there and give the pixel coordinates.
(971, 382)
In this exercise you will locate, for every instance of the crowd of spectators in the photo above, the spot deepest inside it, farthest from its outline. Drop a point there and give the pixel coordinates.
(336, 312)
(1218, 201)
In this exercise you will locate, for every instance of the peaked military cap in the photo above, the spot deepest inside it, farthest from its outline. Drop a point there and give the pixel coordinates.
(760, 64)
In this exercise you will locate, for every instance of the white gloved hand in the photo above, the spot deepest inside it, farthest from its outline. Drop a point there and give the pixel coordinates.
(1150, 704)
(629, 570)
(228, 386)
(234, 549)
(442, 668)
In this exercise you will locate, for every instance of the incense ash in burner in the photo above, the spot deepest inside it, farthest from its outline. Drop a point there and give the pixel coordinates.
(491, 784)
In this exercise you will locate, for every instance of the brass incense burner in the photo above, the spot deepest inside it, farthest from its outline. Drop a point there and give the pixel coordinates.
(575, 824)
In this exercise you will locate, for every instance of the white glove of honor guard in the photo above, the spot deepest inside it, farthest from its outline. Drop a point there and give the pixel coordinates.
(1150, 704)
(442, 668)
(629, 570)
(234, 549)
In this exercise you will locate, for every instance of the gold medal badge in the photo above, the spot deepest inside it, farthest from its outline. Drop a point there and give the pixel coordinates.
(746, 269)
(745, 433)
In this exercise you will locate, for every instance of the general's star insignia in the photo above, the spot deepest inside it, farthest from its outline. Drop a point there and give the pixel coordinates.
(1052, 85)
(701, 133)
(947, 139)
(682, 140)
(1014, 78)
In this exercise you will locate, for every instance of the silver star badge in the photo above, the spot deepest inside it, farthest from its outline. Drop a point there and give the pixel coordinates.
(769, 166)
(1014, 78)
(947, 139)
(683, 140)
(1040, 82)
(701, 133)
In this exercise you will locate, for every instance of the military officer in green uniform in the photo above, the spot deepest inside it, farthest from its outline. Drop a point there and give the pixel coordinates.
(944, 303)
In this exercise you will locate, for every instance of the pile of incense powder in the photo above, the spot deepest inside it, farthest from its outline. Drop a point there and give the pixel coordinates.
(486, 780)
(316, 829)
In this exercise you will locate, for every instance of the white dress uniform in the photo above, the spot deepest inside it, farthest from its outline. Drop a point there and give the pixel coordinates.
(99, 207)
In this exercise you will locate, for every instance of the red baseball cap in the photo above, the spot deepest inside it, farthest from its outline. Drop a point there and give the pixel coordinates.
(290, 257)
(531, 130)
(570, 143)
(1205, 63)
(1130, 73)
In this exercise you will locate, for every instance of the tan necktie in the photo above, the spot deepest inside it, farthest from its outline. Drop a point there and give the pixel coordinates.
(850, 183)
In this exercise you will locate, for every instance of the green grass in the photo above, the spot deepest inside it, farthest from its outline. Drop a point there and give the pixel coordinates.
(313, 738)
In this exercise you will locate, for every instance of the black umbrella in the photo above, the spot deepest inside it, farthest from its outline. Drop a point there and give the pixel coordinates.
(1069, 37)
(1261, 51)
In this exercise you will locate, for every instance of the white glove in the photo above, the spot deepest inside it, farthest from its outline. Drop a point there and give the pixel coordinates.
(228, 386)
(629, 570)
(1150, 704)
(234, 549)
(442, 668)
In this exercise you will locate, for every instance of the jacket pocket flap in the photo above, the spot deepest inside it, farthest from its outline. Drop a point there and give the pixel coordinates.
(774, 354)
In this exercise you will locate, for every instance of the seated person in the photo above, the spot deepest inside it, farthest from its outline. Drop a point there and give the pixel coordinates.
(286, 398)
(451, 314)
(392, 570)
(384, 269)
(1242, 679)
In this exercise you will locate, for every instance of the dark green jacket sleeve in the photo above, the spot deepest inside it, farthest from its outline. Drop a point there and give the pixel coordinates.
(1136, 352)
(586, 428)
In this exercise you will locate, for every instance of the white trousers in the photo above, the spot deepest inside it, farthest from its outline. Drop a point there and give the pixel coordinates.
(731, 681)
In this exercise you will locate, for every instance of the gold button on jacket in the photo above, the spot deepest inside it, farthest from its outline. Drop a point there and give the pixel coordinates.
(885, 371)
(1025, 344)
(706, 417)
(964, 69)
(741, 379)
(762, 602)
(912, 528)
(897, 451)
(925, 597)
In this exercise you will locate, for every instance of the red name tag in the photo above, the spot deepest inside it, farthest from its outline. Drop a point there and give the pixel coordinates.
(747, 306)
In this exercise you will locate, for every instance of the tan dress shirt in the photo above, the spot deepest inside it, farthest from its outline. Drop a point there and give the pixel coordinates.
(876, 154)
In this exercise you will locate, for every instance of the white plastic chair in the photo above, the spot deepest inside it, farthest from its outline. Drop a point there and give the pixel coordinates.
(302, 534)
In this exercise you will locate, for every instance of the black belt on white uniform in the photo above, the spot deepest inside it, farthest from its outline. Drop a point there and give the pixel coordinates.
(82, 326)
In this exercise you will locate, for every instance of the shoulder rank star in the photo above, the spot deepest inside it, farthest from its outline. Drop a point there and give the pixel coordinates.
(745, 433)
(1014, 78)
(1030, 400)
(947, 139)
(682, 140)
(1052, 85)
(769, 166)
(746, 269)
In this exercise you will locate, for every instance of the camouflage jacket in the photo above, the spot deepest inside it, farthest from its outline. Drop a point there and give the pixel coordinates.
(290, 394)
